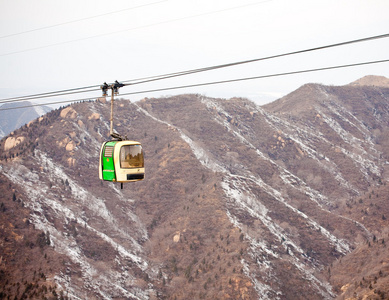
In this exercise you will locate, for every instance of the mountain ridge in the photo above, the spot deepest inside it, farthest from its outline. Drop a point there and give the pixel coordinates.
(11, 118)
(372, 80)
(239, 200)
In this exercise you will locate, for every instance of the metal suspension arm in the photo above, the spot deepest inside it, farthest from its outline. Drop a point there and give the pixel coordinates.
(114, 91)
(111, 120)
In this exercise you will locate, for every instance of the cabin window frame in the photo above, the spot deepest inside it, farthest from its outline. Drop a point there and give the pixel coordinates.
(121, 161)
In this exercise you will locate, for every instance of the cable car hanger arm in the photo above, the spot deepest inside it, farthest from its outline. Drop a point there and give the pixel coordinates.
(114, 91)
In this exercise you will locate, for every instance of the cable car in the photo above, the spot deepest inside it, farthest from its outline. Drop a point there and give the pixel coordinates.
(121, 161)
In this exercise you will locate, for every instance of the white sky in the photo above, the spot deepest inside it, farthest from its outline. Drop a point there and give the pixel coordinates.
(175, 35)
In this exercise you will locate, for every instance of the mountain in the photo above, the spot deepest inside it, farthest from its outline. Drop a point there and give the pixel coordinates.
(11, 119)
(372, 80)
(283, 201)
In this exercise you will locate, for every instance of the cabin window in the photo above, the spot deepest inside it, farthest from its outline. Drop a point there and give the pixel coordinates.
(131, 156)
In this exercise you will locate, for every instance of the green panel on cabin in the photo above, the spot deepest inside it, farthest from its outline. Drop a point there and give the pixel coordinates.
(108, 163)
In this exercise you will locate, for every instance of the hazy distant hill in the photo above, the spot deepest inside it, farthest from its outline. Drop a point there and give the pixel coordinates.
(284, 201)
(15, 118)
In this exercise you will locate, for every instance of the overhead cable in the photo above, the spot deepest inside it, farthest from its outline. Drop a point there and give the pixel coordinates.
(79, 20)
(214, 82)
(188, 72)
(134, 28)
(171, 75)
(50, 94)
(260, 77)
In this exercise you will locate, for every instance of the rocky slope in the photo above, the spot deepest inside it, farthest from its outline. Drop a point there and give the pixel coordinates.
(239, 201)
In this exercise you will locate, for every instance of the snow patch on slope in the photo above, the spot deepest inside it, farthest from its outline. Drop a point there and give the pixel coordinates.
(42, 198)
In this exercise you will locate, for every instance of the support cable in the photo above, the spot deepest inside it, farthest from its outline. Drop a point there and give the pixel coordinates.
(79, 20)
(214, 82)
(187, 72)
(135, 28)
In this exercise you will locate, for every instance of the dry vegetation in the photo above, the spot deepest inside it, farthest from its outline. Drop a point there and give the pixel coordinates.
(27, 262)
(192, 249)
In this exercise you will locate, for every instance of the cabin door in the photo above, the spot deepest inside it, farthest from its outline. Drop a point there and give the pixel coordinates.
(108, 163)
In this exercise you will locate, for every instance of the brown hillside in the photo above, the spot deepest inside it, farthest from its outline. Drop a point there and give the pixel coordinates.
(239, 201)
(27, 262)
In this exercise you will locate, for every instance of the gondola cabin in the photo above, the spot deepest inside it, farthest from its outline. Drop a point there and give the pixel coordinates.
(121, 161)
